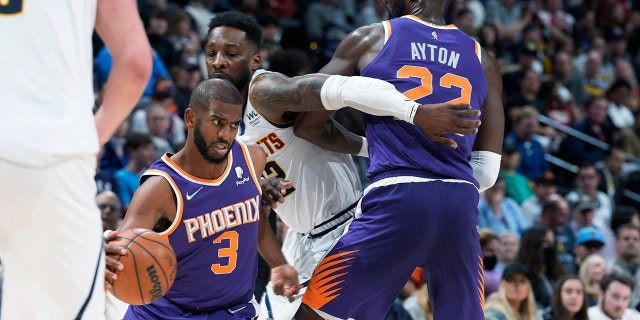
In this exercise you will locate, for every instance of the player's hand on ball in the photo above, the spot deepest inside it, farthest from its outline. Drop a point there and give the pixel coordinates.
(112, 253)
(273, 191)
(284, 279)
(437, 119)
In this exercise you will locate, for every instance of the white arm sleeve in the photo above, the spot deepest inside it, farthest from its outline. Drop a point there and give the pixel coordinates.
(486, 166)
(372, 96)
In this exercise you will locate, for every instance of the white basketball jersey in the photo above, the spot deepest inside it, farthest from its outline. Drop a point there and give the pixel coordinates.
(46, 80)
(324, 182)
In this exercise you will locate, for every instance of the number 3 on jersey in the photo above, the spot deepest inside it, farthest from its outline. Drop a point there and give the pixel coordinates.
(426, 88)
(11, 7)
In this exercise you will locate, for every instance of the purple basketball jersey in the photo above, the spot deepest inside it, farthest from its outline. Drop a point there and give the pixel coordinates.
(214, 236)
(436, 65)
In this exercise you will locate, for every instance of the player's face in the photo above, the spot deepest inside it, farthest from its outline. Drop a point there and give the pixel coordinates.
(572, 295)
(215, 131)
(396, 8)
(230, 56)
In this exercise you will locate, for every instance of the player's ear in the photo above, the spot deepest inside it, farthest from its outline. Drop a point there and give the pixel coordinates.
(256, 62)
(190, 118)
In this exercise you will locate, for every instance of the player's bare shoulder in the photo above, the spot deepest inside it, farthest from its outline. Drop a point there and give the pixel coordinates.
(488, 61)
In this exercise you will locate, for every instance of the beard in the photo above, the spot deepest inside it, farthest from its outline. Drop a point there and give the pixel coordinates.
(396, 10)
(203, 149)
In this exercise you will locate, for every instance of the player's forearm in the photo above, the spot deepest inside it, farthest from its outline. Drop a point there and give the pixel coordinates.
(120, 27)
(123, 90)
(268, 245)
(274, 93)
(326, 133)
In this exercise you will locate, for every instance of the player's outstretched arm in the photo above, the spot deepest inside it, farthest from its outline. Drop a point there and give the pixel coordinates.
(284, 277)
(119, 26)
(487, 150)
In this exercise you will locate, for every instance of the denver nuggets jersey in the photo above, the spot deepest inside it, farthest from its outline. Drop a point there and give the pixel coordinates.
(46, 107)
(324, 182)
(436, 65)
(214, 233)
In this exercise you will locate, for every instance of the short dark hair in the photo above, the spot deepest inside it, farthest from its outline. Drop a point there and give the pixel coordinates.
(136, 139)
(240, 21)
(214, 89)
(608, 278)
(622, 215)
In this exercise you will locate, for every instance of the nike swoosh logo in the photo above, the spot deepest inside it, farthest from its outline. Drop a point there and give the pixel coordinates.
(190, 196)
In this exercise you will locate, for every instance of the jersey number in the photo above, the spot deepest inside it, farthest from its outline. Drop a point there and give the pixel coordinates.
(272, 168)
(231, 252)
(426, 88)
(9, 7)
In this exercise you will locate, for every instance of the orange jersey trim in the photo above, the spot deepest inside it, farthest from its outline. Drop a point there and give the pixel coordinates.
(416, 19)
(387, 30)
(179, 203)
(247, 157)
(188, 176)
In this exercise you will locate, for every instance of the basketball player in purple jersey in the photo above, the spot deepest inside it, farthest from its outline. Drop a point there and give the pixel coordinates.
(421, 209)
(206, 200)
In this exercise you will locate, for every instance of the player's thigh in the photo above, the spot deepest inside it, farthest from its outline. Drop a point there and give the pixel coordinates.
(51, 244)
(373, 260)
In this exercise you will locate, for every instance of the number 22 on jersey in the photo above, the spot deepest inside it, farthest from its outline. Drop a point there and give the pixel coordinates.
(11, 7)
(426, 88)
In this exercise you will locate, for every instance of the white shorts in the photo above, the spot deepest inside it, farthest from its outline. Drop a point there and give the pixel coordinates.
(51, 241)
(304, 254)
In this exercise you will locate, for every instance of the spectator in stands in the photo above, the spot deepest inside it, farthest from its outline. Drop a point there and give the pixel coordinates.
(533, 163)
(490, 243)
(564, 72)
(181, 33)
(568, 301)
(630, 137)
(592, 269)
(588, 195)
(508, 248)
(619, 112)
(500, 213)
(510, 17)
(595, 125)
(514, 299)
(140, 149)
(516, 184)
(545, 189)
(271, 37)
(613, 302)
(539, 252)
(555, 217)
(527, 95)
(157, 25)
(590, 241)
(626, 262)
(610, 172)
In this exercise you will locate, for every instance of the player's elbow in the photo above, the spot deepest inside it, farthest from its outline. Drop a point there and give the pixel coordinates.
(486, 167)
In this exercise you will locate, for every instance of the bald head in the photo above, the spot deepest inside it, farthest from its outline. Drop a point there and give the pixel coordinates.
(214, 89)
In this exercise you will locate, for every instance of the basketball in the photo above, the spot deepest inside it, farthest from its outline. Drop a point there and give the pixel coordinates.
(149, 267)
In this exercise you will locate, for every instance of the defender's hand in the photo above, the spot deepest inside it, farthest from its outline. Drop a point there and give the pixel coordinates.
(437, 119)
(273, 191)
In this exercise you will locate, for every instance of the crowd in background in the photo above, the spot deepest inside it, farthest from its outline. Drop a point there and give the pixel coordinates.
(565, 209)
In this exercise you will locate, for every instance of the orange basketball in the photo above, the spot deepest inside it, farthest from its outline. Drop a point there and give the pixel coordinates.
(149, 267)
